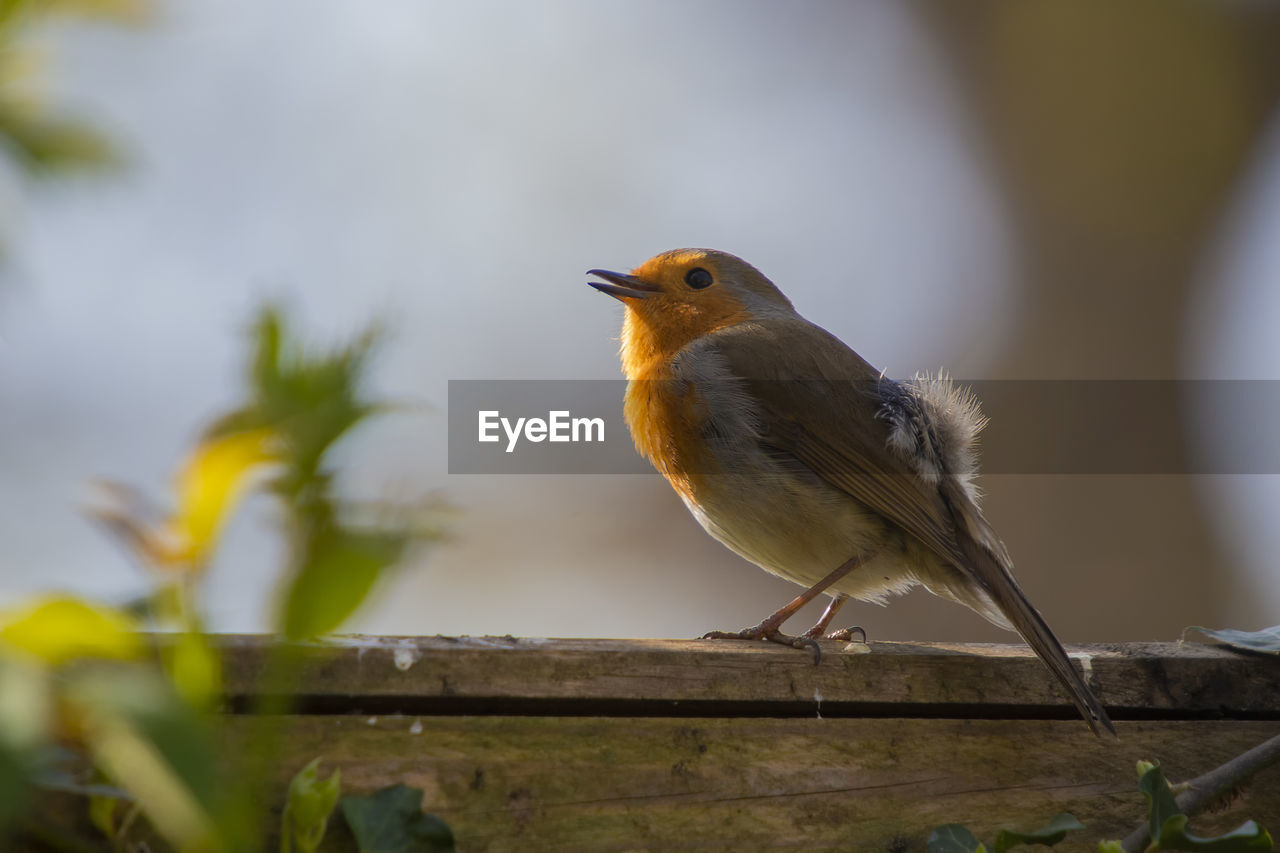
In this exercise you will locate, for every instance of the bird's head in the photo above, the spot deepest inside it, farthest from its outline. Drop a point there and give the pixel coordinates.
(677, 296)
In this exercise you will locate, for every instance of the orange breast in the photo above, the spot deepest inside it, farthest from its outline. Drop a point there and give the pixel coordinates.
(666, 421)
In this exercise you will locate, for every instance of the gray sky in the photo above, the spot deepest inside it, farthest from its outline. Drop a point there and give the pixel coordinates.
(455, 167)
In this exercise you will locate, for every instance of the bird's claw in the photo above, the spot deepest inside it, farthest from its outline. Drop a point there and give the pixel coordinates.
(846, 634)
(772, 634)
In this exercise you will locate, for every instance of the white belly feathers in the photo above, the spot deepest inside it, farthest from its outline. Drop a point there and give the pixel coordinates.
(765, 513)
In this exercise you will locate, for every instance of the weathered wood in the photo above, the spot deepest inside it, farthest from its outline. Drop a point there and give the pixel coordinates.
(619, 745)
(496, 674)
(602, 784)
(612, 745)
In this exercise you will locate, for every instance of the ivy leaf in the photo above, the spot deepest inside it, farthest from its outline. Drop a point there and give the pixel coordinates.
(1243, 839)
(1168, 825)
(1155, 787)
(391, 820)
(954, 838)
(1267, 640)
(1048, 835)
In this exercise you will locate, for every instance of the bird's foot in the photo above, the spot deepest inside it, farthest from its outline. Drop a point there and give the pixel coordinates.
(766, 630)
(846, 634)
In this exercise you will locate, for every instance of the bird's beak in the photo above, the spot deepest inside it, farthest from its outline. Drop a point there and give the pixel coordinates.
(621, 285)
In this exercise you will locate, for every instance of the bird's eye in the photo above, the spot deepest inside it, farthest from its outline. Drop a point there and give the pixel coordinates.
(698, 278)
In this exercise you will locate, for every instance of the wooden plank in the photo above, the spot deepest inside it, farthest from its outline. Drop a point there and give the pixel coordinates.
(604, 784)
(616, 745)
(619, 745)
(434, 675)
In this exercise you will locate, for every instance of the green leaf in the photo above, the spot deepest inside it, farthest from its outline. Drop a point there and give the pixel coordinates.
(1110, 847)
(339, 569)
(44, 145)
(1048, 835)
(309, 400)
(1266, 640)
(195, 669)
(1246, 838)
(15, 778)
(1168, 826)
(954, 838)
(306, 812)
(102, 814)
(312, 399)
(391, 821)
(1155, 787)
(26, 713)
(9, 11)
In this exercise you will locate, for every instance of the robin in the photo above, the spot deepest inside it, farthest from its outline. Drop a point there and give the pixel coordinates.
(795, 453)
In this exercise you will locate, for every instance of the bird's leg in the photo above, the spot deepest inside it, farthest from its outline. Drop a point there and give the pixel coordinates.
(770, 628)
(846, 634)
(837, 601)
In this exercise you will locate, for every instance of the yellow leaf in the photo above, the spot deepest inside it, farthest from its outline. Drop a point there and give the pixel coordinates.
(210, 485)
(56, 629)
(212, 482)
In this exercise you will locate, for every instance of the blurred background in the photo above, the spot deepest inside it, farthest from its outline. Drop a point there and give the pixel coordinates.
(1033, 190)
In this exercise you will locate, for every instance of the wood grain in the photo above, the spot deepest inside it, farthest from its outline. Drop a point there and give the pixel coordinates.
(616, 745)
(600, 784)
(435, 674)
(621, 745)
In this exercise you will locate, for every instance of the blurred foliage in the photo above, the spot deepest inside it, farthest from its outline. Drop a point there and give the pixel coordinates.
(954, 838)
(300, 404)
(83, 708)
(309, 402)
(306, 812)
(36, 138)
(56, 629)
(1166, 825)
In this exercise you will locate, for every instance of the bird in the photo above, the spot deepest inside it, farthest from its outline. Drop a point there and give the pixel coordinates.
(793, 451)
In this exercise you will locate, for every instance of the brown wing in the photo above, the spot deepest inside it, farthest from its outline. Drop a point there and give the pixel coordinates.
(821, 400)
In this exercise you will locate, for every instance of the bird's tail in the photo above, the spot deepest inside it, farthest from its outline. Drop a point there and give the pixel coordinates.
(989, 564)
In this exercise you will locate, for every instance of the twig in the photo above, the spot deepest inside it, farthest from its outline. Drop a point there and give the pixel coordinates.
(1203, 790)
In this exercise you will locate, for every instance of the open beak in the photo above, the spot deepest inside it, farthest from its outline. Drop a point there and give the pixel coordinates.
(621, 285)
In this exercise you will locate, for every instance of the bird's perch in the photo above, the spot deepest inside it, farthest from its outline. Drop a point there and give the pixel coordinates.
(535, 744)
